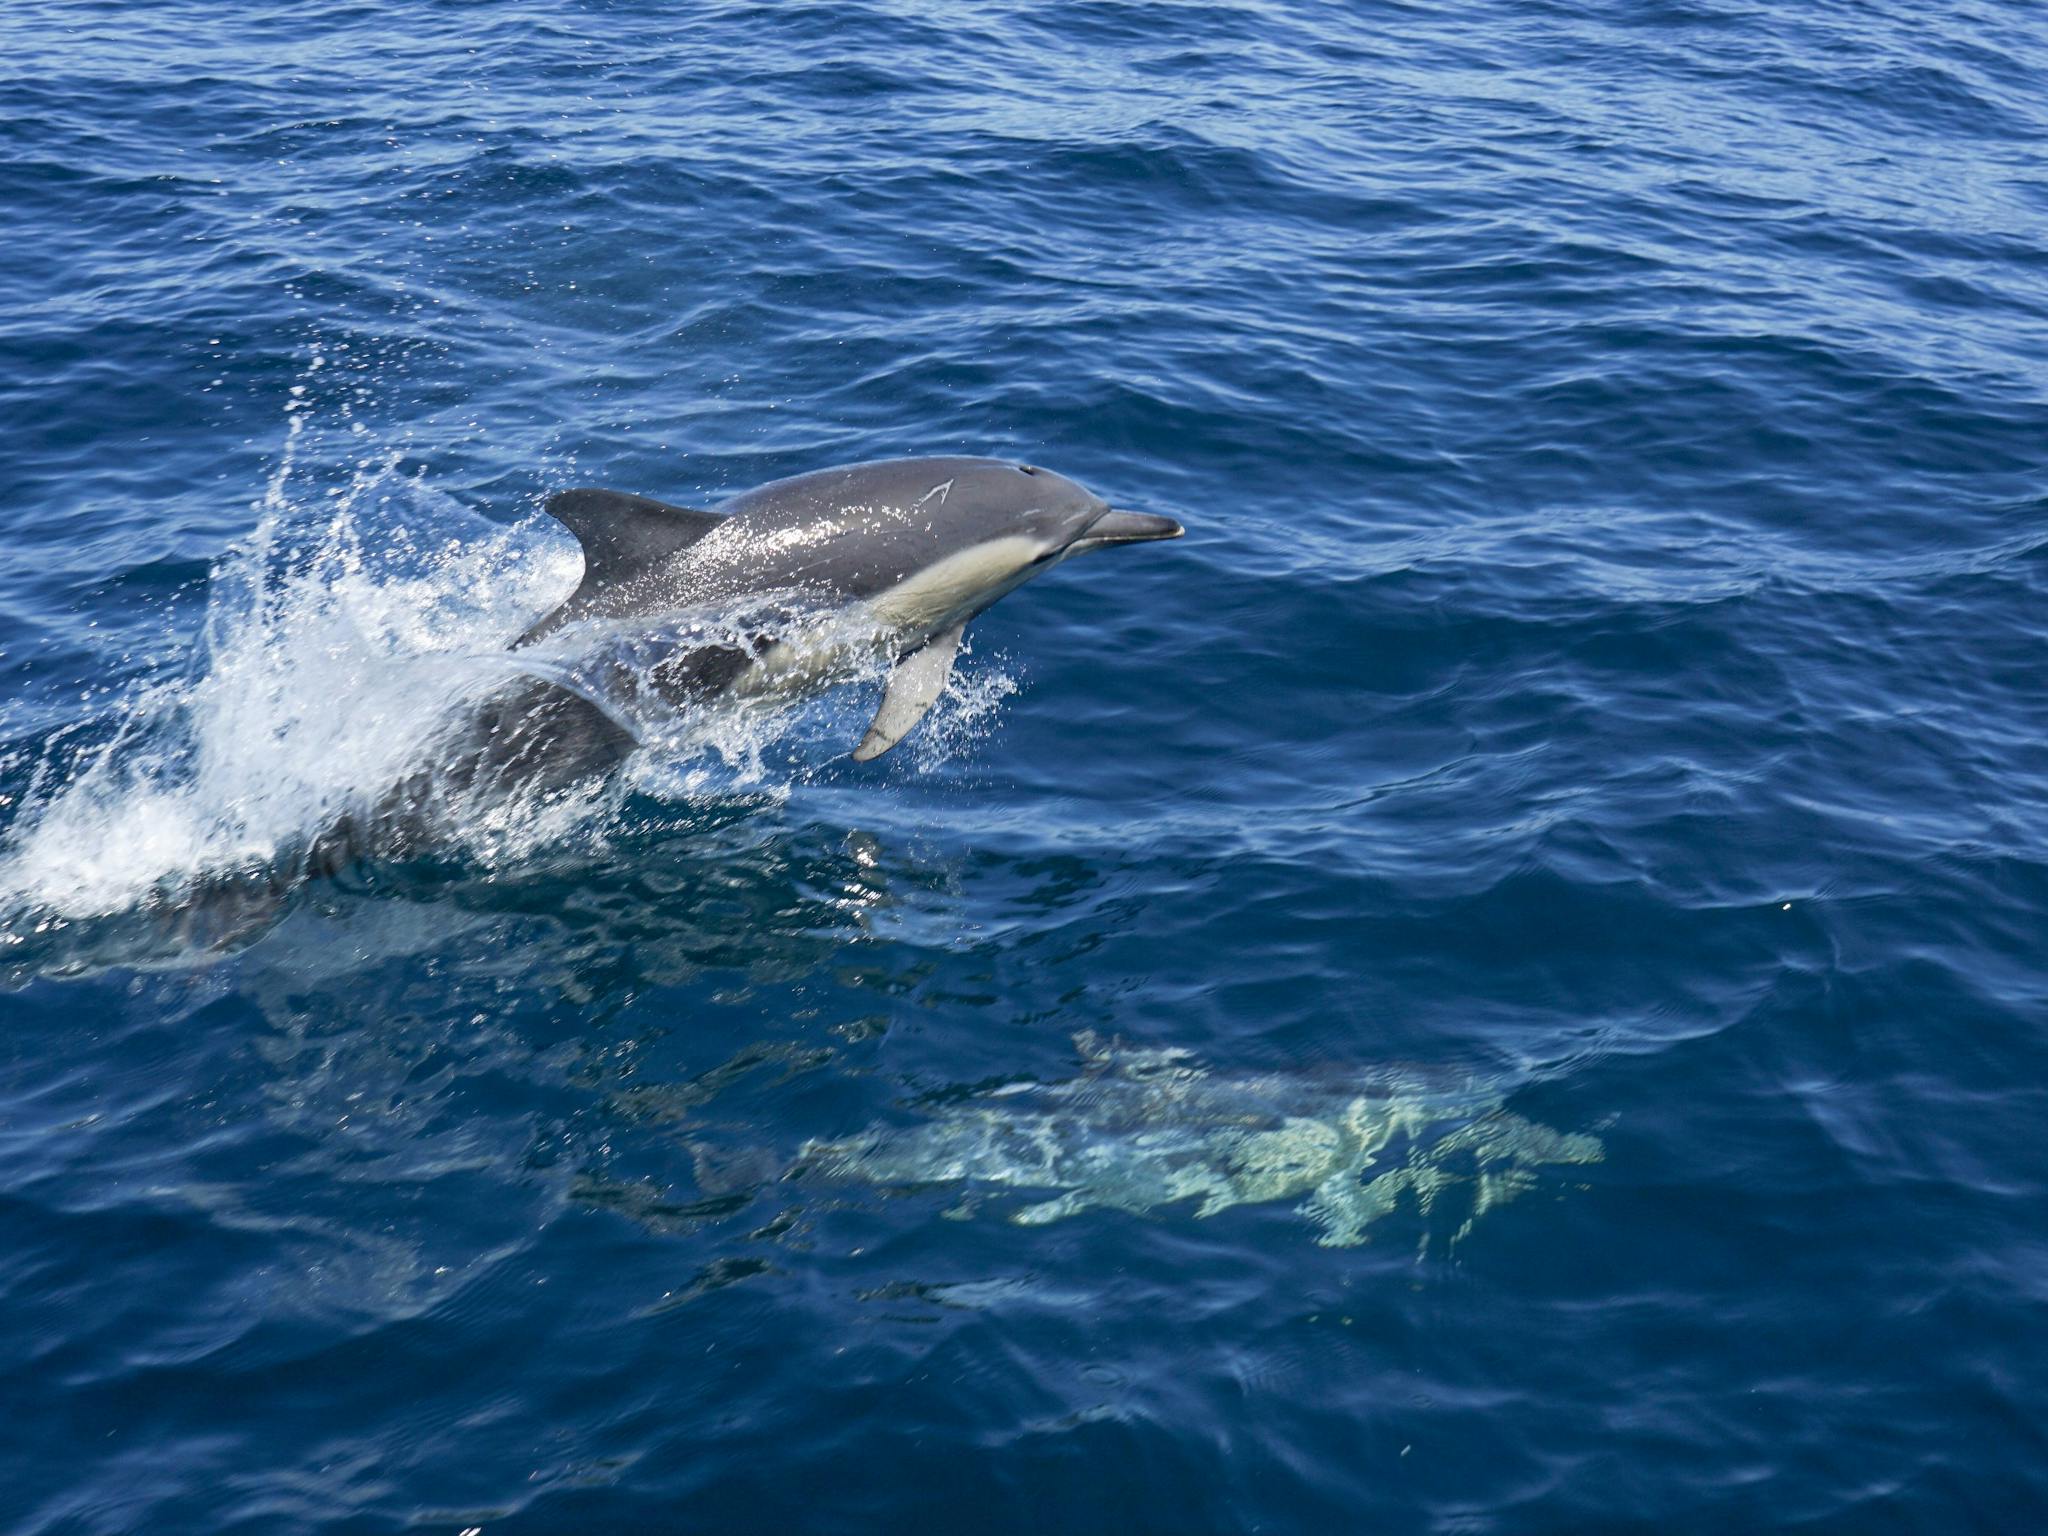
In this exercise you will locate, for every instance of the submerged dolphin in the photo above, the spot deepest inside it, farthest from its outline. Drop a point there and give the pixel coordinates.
(898, 555)
(1140, 1129)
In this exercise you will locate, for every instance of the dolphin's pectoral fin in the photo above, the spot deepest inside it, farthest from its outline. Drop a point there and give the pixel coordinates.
(1216, 1201)
(621, 536)
(914, 687)
(1070, 1204)
(1344, 1206)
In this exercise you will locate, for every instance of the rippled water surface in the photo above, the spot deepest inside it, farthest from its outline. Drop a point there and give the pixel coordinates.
(1495, 986)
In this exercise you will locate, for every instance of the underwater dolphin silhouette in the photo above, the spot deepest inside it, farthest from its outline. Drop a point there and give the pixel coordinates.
(1141, 1130)
(899, 553)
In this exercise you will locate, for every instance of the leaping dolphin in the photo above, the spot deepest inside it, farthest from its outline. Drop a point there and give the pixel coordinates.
(923, 544)
(900, 553)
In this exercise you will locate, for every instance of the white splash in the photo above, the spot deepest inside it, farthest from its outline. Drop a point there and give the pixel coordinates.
(965, 714)
(320, 672)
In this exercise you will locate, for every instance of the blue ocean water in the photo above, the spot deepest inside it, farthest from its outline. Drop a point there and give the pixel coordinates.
(1581, 784)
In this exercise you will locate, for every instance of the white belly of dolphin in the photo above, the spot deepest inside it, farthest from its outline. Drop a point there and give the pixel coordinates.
(917, 623)
(903, 617)
(929, 599)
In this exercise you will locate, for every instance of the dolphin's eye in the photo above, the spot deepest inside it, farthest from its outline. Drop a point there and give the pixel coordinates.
(1026, 469)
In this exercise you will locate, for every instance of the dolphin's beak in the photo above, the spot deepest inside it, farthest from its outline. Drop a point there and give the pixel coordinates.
(1125, 528)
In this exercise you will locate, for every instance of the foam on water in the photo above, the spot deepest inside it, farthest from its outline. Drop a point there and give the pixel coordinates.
(318, 676)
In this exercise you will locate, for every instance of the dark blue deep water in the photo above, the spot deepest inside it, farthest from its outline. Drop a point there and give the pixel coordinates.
(1583, 777)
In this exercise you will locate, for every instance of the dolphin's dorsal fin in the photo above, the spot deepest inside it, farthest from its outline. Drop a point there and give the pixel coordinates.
(914, 687)
(622, 535)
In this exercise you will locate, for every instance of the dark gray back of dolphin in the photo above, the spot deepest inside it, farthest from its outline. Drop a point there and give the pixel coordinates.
(860, 529)
(840, 535)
